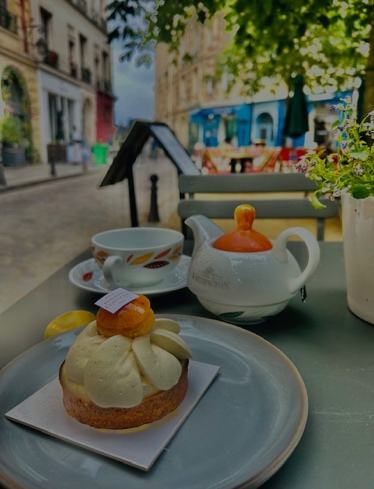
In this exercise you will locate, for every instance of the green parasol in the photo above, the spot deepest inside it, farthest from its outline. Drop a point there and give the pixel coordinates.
(296, 120)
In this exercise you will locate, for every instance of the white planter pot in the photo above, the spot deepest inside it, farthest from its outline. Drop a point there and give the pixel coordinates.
(358, 241)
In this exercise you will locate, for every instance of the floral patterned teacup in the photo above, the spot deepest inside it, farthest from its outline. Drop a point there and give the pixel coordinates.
(133, 257)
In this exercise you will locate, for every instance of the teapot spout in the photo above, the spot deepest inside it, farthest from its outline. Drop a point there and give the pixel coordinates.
(203, 229)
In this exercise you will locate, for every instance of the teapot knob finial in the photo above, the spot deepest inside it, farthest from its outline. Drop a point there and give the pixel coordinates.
(244, 216)
(243, 239)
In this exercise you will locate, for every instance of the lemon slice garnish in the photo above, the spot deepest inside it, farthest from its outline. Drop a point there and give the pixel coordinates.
(67, 321)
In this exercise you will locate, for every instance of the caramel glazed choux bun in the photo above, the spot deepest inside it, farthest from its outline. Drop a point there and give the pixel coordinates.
(125, 369)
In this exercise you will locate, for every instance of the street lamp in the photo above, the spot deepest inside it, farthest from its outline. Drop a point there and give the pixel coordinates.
(2, 175)
(41, 45)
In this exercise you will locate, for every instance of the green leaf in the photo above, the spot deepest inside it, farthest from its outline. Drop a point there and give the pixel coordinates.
(361, 155)
(144, 60)
(316, 203)
(114, 34)
(268, 38)
(360, 191)
(187, 58)
(324, 20)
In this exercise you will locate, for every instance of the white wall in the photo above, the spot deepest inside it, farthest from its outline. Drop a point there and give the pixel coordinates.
(67, 24)
(49, 83)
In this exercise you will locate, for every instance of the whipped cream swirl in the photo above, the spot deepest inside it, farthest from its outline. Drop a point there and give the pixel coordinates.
(120, 371)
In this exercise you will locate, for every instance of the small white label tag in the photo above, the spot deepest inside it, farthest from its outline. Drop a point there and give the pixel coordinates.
(116, 299)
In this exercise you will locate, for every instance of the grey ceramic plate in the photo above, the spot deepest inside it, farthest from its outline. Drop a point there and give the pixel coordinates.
(241, 432)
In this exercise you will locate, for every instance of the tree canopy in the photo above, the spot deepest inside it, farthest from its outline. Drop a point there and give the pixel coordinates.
(329, 42)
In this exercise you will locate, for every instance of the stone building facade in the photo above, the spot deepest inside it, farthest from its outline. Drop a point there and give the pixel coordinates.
(187, 82)
(19, 80)
(193, 99)
(59, 51)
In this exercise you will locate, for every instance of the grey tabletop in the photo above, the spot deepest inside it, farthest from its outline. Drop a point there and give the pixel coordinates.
(331, 348)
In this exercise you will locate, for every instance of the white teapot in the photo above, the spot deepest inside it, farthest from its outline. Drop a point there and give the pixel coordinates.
(243, 277)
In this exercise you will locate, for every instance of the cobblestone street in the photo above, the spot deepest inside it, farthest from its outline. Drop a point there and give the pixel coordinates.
(46, 225)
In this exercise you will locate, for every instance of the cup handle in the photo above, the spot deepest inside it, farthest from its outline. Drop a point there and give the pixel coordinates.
(110, 263)
(280, 251)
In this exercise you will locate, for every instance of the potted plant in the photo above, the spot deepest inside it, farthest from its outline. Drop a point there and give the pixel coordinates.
(11, 138)
(56, 152)
(349, 174)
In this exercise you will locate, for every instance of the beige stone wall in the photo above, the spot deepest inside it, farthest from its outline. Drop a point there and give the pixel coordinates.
(69, 24)
(182, 87)
(15, 54)
(89, 114)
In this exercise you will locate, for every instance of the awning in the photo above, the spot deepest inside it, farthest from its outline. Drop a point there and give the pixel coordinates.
(213, 111)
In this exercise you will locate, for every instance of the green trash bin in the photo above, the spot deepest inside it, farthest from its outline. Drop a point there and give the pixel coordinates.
(100, 153)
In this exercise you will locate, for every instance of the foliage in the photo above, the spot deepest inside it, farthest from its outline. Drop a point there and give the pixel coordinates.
(351, 168)
(133, 18)
(11, 131)
(326, 41)
(13, 86)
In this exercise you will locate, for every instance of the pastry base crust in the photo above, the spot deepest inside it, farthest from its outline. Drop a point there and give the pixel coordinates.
(151, 409)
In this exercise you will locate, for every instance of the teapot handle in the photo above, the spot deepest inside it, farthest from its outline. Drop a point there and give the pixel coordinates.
(280, 252)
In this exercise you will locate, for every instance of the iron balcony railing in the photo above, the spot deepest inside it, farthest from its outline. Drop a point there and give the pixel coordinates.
(8, 20)
(107, 86)
(104, 86)
(86, 75)
(82, 5)
(94, 15)
(73, 69)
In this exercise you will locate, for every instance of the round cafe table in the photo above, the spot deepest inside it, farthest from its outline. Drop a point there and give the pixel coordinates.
(331, 348)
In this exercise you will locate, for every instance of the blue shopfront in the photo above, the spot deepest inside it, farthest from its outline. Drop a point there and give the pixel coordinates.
(223, 123)
(245, 124)
(240, 124)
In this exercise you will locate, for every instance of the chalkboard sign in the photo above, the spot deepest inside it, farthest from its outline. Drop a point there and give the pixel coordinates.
(173, 148)
(132, 147)
(121, 167)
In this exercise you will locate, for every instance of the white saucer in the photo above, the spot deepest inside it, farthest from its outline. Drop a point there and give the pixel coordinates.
(87, 275)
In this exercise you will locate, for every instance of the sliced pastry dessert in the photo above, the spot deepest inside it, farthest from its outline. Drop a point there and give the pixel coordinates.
(125, 369)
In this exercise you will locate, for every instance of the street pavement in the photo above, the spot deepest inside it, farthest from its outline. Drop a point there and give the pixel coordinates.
(17, 177)
(48, 220)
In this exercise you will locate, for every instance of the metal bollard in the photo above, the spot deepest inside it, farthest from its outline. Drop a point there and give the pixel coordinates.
(153, 213)
(2, 174)
(53, 167)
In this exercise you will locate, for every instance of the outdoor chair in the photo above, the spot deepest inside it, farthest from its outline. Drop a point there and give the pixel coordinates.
(267, 207)
(219, 160)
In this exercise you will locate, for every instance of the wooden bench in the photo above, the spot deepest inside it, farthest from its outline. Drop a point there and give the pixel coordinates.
(298, 207)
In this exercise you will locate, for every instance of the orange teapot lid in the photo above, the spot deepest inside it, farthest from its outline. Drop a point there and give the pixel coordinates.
(243, 239)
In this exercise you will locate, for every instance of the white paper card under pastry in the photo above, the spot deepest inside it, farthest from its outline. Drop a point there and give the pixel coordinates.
(139, 448)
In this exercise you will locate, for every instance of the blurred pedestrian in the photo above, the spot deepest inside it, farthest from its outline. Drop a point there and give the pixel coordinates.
(77, 146)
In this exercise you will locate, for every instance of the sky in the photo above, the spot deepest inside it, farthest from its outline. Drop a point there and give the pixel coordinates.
(134, 89)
